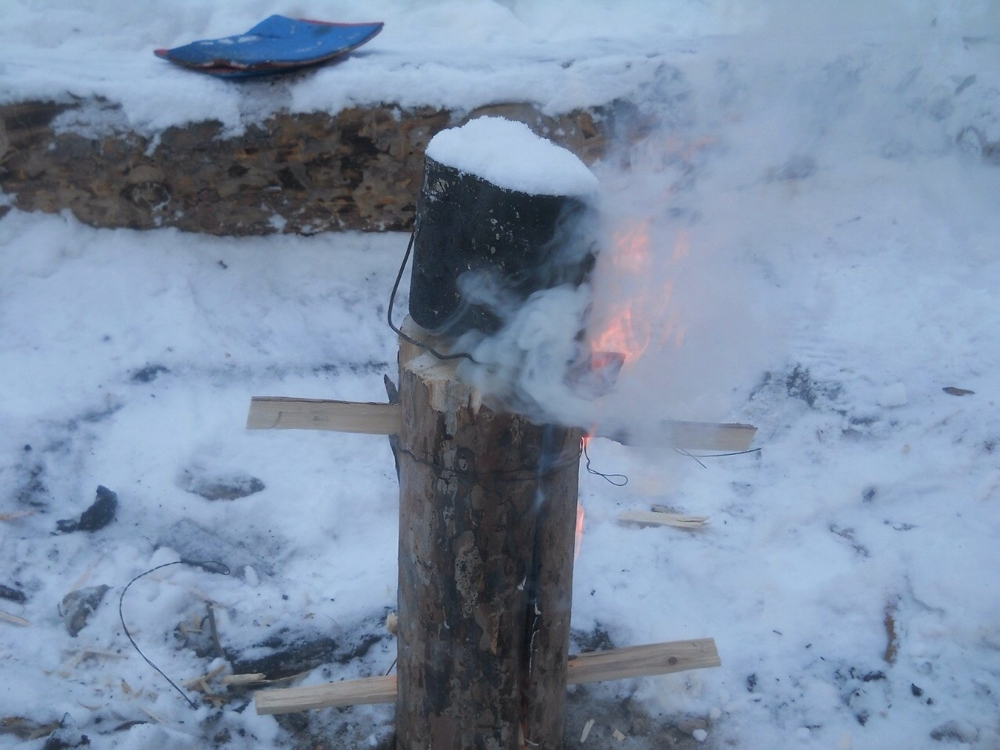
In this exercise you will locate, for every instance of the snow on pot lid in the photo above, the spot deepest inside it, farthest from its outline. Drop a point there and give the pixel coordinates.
(509, 155)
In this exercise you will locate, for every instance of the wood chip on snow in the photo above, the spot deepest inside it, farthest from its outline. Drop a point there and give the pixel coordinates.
(14, 515)
(656, 518)
(14, 619)
(244, 679)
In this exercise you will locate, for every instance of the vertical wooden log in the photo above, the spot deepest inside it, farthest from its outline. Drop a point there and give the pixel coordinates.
(487, 499)
(481, 495)
(549, 613)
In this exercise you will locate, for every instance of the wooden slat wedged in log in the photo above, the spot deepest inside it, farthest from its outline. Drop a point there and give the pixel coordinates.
(487, 504)
(277, 413)
(615, 664)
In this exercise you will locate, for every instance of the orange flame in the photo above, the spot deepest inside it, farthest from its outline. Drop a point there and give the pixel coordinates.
(639, 305)
(580, 514)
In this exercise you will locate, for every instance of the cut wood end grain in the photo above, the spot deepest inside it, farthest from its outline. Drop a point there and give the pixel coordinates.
(615, 664)
(448, 393)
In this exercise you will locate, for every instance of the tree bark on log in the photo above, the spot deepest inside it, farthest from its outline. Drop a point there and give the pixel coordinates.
(487, 518)
(549, 610)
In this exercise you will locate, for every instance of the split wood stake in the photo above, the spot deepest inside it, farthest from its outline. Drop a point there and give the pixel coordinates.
(280, 413)
(201, 683)
(615, 664)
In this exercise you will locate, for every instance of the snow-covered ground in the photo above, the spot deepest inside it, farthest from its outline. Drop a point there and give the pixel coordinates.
(833, 176)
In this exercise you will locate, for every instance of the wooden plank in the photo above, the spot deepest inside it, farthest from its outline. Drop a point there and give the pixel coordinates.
(615, 664)
(692, 436)
(277, 413)
(640, 661)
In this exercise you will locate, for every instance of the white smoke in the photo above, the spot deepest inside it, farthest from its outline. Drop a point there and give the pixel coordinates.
(738, 165)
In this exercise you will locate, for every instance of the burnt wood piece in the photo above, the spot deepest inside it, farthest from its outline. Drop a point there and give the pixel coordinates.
(484, 496)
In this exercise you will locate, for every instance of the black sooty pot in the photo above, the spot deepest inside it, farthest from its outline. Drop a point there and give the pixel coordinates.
(480, 250)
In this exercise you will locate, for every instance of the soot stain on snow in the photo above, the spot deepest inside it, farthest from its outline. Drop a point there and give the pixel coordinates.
(801, 385)
(340, 728)
(746, 512)
(94, 416)
(858, 693)
(220, 486)
(195, 542)
(860, 426)
(40, 470)
(608, 708)
(149, 373)
(796, 384)
(597, 639)
(32, 490)
(358, 368)
(12, 594)
(67, 736)
(848, 534)
(954, 731)
(798, 167)
(292, 650)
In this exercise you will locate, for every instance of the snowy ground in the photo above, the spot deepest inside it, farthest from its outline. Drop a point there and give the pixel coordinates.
(834, 175)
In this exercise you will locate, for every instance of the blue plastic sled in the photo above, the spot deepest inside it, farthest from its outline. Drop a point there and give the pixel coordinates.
(275, 45)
